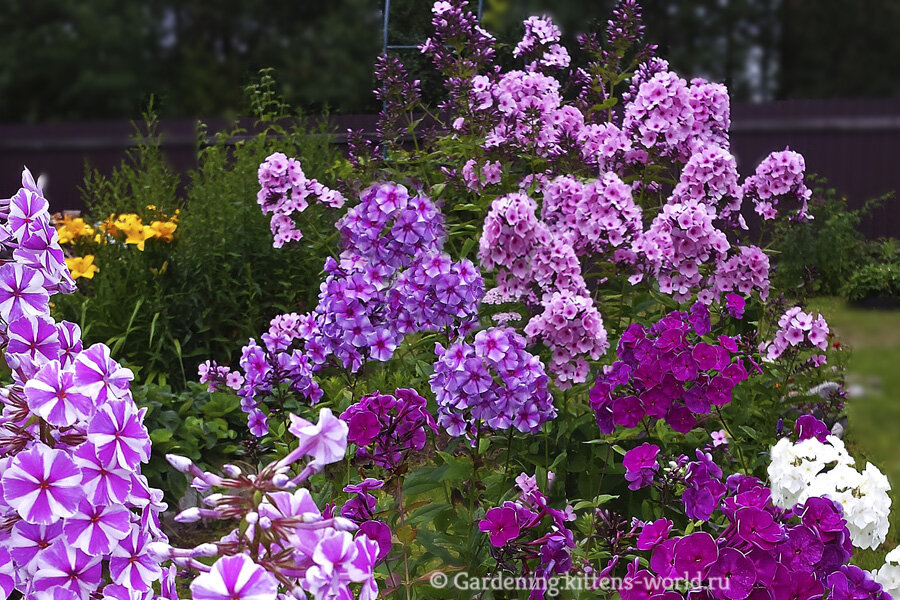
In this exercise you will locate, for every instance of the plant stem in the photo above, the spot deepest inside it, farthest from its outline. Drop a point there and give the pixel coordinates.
(733, 439)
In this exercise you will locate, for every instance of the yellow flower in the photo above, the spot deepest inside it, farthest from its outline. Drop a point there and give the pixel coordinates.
(138, 235)
(82, 266)
(163, 230)
(109, 226)
(73, 228)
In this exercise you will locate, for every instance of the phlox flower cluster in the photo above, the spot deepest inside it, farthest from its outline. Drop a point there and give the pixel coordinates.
(285, 191)
(711, 176)
(593, 216)
(744, 271)
(436, 293)
(76, 514)
(763, 552)
(492, 382)
(283, 544)
(531, 261)
(525, 108)
(667, 371)
(779, 178)
(478, 177)
(604, 146)
(541, 43)
(386, 427)
(519, 531)
(681, 239)
(814, 468)
(675, 119)
(797, 331)
(459, 48)
(889, 574)
(572, 328)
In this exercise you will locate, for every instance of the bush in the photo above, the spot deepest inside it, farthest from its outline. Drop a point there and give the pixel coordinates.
(877, 281)
(823, 253)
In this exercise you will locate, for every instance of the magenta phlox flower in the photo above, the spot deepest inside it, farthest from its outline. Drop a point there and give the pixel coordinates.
(325, 441)
(130, 563)
(235, 578)
(501, 523)
(22, 292)
(99, 376)
(119, 435)
(51, 394)
(733, 573)
(7, 573)
(694, 554)
(27, 542)
(103, 482)
(653, 534)
(70, 344)
(64, 566)
(43, 485)
(640, 465)
(96, 529)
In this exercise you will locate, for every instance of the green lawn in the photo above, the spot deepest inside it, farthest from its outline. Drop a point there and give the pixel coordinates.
(873, 340)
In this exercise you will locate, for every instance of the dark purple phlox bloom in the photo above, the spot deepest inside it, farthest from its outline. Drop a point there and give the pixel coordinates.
(653, 534)
(853, 583)
(824, 515)
(734, 574)
(735, 304)
(502, 525)
(808, 426)
(801, 550)
(640, 465)
(386, 427)
(694, 554)
(757, 527)
(662, 561)
(796, 585)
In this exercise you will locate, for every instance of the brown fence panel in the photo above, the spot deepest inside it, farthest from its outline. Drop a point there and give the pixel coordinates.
(856, 144)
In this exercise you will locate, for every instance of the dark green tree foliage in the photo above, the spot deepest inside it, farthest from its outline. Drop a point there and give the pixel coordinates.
(839, 48)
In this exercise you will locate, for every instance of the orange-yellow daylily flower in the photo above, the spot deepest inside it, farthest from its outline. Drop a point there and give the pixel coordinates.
(163, 230)
(71, 229)
(82, 266)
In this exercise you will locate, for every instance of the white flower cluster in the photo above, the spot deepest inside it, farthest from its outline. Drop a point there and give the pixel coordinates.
(889, 575)
(811, 468)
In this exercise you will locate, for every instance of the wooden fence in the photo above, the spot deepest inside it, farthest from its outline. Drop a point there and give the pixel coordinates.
(856, 144)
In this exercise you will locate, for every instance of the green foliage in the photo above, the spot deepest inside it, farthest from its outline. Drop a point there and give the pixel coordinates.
(169, 307)
(823, 253)
(879, 277)
(192, 423)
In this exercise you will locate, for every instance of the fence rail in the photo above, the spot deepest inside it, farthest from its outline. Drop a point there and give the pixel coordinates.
(856, 144)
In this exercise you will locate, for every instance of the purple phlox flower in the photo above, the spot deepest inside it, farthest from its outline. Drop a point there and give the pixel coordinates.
(796, 585)
(823, 515)
(99, 376)
(853, 583)
(25, 208)
(95, 529)
(339, 560)
(28, 542)
(640, 465)
(326, 441)
(235, 578)
(51, 394)
(42, 485)
(32, 342)
(119, 435)
(694, 554)
(801, 550)
(22, 292)
(103, 483)
(131, 564)
(70, 344)
(7, 573)
(733, 573)
(808, 426)
(735, 304)
(501, 523)
(662, 561)
(64, 566)
(653, 534)
(380, 533)
(757, 527)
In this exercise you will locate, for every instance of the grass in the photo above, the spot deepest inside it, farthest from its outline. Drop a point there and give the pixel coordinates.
(873, 369)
